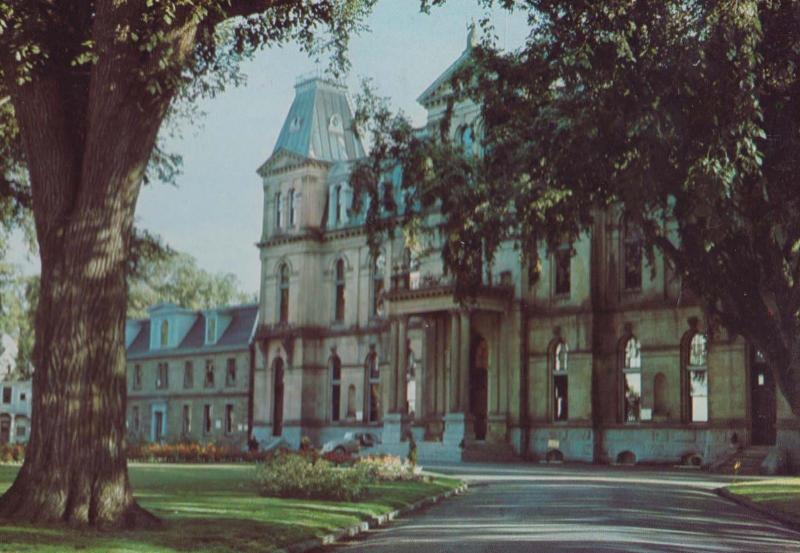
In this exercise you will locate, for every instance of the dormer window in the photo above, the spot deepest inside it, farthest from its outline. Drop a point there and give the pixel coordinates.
(335, 124)
(164, 334)
(211, 329)
(295, 125)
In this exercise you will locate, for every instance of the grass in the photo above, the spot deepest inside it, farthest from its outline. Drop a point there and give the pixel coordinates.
(781, 494)
(214, 508)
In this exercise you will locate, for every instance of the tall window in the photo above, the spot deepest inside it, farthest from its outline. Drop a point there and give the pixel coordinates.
(373, 380)
(697, 378)
(632, 257)
(559, 352)
(188, 375)
(164, 334)
(137, 377)
(336, 384)
(467, 138)
(186, 420)
(338, 216)
(562, 259)
(339, 284)
(283, 294)
(207, 426)
(292, 208)
(378, 269)
(230, 373)
(228, 418)
(278, 210)
(208, 381)
(631, 380)
(162, 376)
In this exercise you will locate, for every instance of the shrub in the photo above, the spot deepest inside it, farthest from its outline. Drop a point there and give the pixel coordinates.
(297, 476)
(193, 453)
(339, 458)
(12, 453)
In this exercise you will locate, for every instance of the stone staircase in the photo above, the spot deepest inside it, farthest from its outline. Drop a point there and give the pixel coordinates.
(749, 460)
(485, 452)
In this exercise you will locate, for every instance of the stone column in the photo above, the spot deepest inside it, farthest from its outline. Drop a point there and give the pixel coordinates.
(441, 355)
(453, 376)
(402, 366)
(393, 420)
(464, 361)
(391, 381)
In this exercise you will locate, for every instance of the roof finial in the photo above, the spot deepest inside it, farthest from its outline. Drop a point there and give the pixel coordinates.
(472, 35)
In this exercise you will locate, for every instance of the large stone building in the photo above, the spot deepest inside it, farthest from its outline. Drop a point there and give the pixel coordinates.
(604, 358)
(15, 395)
(189, 375)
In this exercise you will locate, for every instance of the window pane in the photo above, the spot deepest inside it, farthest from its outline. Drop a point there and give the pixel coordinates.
(633, 265)
(560, 396)
(374, 402)
(633, 356)
(700, 409)
(561, 357)
(633, 396)
(698, 351)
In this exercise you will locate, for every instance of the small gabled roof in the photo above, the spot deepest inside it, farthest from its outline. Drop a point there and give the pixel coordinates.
(442, 80)
(237, 335)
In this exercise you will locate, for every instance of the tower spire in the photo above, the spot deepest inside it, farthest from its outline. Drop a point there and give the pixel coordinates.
(472, 35)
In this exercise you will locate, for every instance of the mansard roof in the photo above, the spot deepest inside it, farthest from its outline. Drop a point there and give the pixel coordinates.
(319, 125)
(237, 335)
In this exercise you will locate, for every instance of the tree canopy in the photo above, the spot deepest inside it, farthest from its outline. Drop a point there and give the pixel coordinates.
(682, 115)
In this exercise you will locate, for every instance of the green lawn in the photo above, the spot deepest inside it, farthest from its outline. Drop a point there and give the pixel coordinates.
(780, 494)
(214, 508)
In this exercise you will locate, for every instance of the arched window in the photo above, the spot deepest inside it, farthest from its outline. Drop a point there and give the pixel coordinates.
(278, 210)
(164, 341)
(378, 270)
(339, 292)
(283, 294)
(632, 257)
(467, 139)
(562, 259)
(372, 373)
(631, 380)
(660, 401)
(697, 378)
(292, 208)
(336, 384)
(558, 368)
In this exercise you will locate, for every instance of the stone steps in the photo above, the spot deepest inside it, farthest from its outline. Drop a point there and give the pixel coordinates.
(749, 459)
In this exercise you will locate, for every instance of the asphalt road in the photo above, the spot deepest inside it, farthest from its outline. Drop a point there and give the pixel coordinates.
(530, 508)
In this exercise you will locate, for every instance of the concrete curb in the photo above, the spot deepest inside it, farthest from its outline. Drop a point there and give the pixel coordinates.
(787, 520)
(366, 525)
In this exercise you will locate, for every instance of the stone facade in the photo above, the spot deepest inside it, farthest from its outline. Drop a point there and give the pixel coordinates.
(189, 375)
(605, 358)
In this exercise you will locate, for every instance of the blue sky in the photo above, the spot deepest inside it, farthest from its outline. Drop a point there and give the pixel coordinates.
(214, 212)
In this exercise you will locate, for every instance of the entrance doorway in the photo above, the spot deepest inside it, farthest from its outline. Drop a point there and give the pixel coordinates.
(762, 401)
(277, 403)
(478, 386)
(159, 426)
(5, 429)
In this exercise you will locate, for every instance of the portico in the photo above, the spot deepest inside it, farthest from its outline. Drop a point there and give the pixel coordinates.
(460, 380)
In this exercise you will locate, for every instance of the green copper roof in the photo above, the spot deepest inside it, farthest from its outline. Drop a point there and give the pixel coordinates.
(319, 124)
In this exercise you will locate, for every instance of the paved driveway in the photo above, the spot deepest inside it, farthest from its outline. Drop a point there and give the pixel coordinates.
(529, 508)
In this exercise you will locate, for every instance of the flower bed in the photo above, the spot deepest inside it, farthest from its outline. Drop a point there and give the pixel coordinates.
(194, 453)
(303, 476)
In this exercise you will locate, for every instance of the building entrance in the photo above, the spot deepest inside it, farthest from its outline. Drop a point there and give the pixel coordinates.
(277, 404)
(762, 401)
(478, 386)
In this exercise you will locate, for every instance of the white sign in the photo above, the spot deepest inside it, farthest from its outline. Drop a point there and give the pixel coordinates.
(553, 444)
(647, 414)
(218, 424)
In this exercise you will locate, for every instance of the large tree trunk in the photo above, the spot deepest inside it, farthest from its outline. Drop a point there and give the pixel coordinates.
(75, 467)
